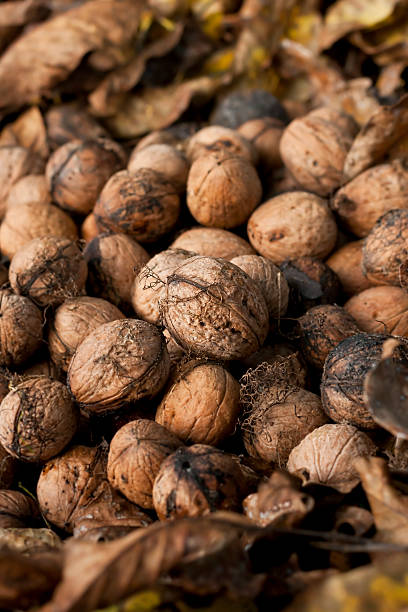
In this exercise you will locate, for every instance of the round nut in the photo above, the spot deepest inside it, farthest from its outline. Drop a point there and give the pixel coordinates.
(16, 509)
(291, 225)
(214, 242)
(69, 121)
(380, 310)
(163, 158)
(237, 107)
(30, 188)
(346, 262)
(214, 309)
(89, 229)
(119, 362)
(21, 324)
(218, 139)
(135, 454)
(265, 135)
(38, 419)
(15, 162)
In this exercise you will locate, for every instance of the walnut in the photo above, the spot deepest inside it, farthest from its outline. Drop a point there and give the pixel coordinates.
(48, 270)
(218, 139)
(149, 286)
(346, 262)
(222, 190)
(37, 419)
(271, 280)
(8, 465)
(89, 229)
(21, 324)
(73, 321)
(77, 171)
(371, 194)
(321, 329)
(237, 107)
(326, 456)
(281, 355)
(197, 480)
(197, 416)
(119, 362)
(314, 149)
(142, 204)
(214, 242)
(214, 309)
(343, 377)
(30, 188)
(265, 135)
(16, 509)
(291, 225)
(69, 121)
(157, 137)
(163, 158)
(15, 162)
(135, 454)
(45, 367)
(113, 262)
(380, 310)
(25, 221)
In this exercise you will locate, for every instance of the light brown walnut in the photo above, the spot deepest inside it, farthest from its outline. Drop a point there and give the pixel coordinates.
(163, 158)
(346, 262)
(380, 310)
(219, 139)
(214, 242)
(21, 328)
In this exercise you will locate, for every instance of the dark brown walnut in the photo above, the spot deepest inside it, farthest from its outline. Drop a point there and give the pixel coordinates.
(321, 329)
(3, 274)
(28, 220)
(89, 229)
(385, 250)
(311, 282)
(219, 139)
(279, 420)
(346, 262)
(195, 481)
(344, 371)
(380, 310)
(149, 286)
(142, 204)
(265, 135)
(222, 190)
(66, 122)
(292, 225)
(163, 158)
(136, 453)
(119, 362)
(214, 309)
(314, 149)
(37, 419)
(326, 456)
(371, 194)
(8, 465)
(113, 262)
(30, 188)
(45, 367)
(15, 162)
(214, 242)
(273, 283)
(202, 405)
(21, 328)
(73, 321)
(282, 355)
(48, 270)
(77, 171)
(16, 509)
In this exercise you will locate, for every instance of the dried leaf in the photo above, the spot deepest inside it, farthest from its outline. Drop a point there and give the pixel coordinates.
(48, 53)
(27, 131)
(384, 128)
(389, 506)
(20, 13)
(353, 518)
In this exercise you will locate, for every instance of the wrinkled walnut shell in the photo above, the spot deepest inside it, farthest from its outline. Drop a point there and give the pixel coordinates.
(213, 242)
(21, 324)
(16, 509)
(380, 310)
(163, 158)
(15, 162)
(219, 139)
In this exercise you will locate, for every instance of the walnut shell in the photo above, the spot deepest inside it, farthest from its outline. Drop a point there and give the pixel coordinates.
(16, 509)
(69, 121)
(197, 417)
(265, 135)
(214, 309)
(135, 454)
(219, 139)
(119, 362)
(77, 171)
(346, 262)
(15, 162)
(8, 465)
(25, 221)
(380, 310)
(45, 367)
(142, 204)
(89, 229)
(279, 356)
(237, 107)
(48, 270)
(157, 137)
(344, 371)
(222, 191)
(73, 321)
(195, 481)
(37, 419)
(321, 329)
(326, 455)
(214, 242)
(292, 225)
(281, 420)
(163, 158)
(113, 262)
(271, 280)
(314, 149)
(371, 194)
(21, 324)
(149, 286)
(30, 188)
(385, 251)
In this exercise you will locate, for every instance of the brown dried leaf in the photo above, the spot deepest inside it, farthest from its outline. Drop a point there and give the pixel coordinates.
(27, 131)
(389, 506)
(384, 128)
(20, 13)
(48, 53)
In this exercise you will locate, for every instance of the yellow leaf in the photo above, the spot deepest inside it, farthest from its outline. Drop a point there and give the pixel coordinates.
(219, 62)
(366, 13)
(303, 28)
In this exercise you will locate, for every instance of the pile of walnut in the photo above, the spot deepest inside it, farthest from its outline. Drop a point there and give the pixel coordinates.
(181, 319)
